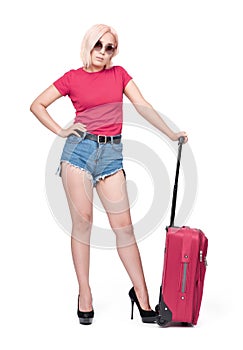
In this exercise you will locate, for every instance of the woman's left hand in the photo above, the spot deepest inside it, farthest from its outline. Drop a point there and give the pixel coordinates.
(180, 134)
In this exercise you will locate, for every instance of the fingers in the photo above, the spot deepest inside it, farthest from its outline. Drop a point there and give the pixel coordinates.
(78, 126)
(182, 134)
(73, 130)
(185, 137)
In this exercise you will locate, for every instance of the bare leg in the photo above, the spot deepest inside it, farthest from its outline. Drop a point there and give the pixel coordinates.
(79, 192)
(113, 194)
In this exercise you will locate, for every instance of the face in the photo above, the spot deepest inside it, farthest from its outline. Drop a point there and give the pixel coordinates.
(103, 51)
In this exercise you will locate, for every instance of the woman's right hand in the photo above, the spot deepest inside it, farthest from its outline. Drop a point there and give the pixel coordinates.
(72, 130)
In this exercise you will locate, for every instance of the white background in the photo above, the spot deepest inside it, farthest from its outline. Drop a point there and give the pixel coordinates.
(186, 57)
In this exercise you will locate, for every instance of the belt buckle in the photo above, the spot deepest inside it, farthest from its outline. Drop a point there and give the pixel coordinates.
(100, 142)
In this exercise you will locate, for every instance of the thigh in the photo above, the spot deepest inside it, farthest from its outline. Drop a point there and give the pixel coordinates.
(114, 197)
(79, 192)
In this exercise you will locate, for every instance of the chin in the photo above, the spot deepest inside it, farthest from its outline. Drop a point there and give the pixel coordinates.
(100, 64)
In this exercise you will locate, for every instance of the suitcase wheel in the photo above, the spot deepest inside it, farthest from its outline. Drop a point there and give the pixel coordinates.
(161, 322)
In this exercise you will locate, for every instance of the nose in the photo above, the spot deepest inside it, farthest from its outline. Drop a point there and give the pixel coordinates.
(102, 51)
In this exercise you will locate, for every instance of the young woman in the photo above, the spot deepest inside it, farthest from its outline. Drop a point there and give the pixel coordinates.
(92, 157)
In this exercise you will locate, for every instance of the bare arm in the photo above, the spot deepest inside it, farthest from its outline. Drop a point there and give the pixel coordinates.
(39, 109)
(147, 111)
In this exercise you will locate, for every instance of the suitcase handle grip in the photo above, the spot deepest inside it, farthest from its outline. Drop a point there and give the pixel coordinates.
(181, 140)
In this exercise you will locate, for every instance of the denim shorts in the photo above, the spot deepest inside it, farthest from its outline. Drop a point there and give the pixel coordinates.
(99, 160)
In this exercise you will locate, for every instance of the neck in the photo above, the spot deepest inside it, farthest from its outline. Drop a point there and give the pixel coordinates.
(93, 69)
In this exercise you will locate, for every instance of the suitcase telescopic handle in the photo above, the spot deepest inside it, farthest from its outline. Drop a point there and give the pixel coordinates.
(173, 207)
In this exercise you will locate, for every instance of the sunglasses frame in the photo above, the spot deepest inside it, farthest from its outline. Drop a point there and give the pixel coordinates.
(109, 48)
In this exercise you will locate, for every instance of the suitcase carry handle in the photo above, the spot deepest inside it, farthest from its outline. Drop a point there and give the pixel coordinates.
(173, 207)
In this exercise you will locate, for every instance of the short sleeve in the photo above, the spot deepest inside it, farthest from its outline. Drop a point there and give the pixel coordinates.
(126, 77)
(63, 83)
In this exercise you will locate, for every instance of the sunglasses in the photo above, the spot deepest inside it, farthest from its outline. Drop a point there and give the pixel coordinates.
(109, 48)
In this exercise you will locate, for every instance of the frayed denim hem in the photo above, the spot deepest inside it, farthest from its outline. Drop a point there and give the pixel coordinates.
(59, 169)
(94, 181)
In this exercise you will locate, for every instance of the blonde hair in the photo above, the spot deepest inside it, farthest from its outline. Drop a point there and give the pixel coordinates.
(90, 39)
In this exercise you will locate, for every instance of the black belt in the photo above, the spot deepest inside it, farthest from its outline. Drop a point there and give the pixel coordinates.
(100, 138)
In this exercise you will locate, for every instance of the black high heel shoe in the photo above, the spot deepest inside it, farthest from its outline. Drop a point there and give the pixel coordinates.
(85, 317)
(148, 316)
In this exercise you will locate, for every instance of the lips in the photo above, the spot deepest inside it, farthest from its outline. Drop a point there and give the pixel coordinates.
(100, 59)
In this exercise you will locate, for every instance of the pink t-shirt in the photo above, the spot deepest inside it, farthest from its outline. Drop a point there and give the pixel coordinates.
(97, 98)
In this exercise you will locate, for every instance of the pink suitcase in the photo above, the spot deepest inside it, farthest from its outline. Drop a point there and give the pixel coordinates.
(183, 271)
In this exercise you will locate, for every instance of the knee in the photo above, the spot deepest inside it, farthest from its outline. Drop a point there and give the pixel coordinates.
(125, 229)
(82, 223)
(124, 234)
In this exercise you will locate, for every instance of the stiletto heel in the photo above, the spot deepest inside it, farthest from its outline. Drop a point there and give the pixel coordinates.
(132, 305)
(148, 316)
(85, 317)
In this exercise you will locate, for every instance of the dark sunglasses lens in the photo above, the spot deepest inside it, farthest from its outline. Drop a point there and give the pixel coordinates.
(110, 49)
(98, 46)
